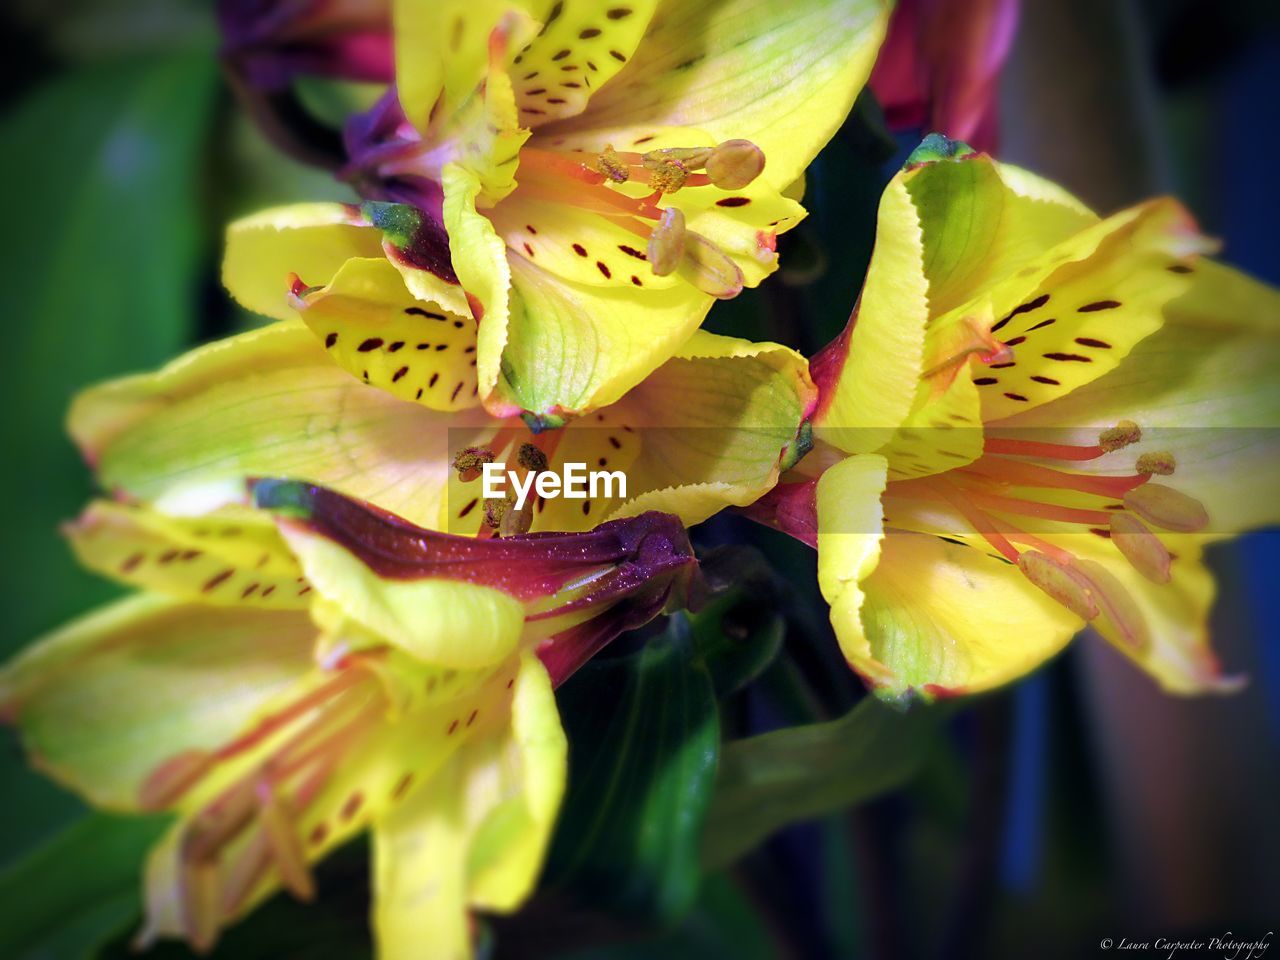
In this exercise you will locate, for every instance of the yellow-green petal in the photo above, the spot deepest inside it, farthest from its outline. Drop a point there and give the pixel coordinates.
(480, 261)
(230, 557)
(311, 240)
(946, 619)
(268, 403)
(781, 75)
(573, 348)
(869, 386)
(1200, 388)
(530, 761)
(850, 529)
(448, 623)
(712, 428)
(107, 698)
(475, 835)
(418, 351)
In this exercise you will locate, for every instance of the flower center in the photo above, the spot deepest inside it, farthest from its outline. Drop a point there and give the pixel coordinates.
(1001, 494)
(531, 455)
(592, 182)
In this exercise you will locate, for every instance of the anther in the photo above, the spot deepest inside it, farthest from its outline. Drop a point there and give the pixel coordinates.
(1159, 462)
(667, 176)
(710, 269)
(531, 458)
(282, 839)
(470, 462)
(612, 165)
(1167, 508)
(691, 158)
(1140, 547)
(516, 522)
(666, 243)
(1121, 435)
(1115, 603)
(172, 778)
(1060, 581)
(496, 508)
(201, 913)
(734, 164)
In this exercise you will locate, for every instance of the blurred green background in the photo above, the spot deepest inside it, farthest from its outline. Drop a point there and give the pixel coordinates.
(1079, 805)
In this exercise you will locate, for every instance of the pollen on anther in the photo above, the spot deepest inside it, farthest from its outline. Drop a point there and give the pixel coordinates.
(1159, 462)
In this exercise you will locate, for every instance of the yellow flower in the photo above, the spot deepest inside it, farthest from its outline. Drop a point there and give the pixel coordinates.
(584, 180)
(282, 688)
(712, 427)
(1016, 373)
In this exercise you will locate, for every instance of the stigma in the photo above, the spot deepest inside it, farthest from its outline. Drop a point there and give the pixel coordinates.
(1023, 508)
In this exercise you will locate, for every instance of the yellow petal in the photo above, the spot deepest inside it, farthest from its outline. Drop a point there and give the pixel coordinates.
(443, 49)
(233, 556)
(1201, 389)
(311, 240)
(476, 834)
(523, 774)
(1173, 640)
(573, 348)
(415, 350)
(781, 75)
(107, 698)
(469, 625)
(265, 404)
(578, 51)
(869, 386)
(1104, 290)
(713, 428)
(850, 529)
(947, 619)
(480, 261)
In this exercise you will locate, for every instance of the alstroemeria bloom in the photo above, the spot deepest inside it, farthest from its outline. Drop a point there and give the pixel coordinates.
(939, 68)
(284, 686)
(998, 427)
(585, 179)
(712, 427)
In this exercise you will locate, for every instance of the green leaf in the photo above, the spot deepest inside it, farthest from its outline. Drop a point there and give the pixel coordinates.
(104, 237)
(643, 738)
(769, 781)
(77, 891)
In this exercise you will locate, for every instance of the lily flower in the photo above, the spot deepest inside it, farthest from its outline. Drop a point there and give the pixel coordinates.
(713, 427)
(1035, 419)
(575, 185)
(939, 68)
(282, 687)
